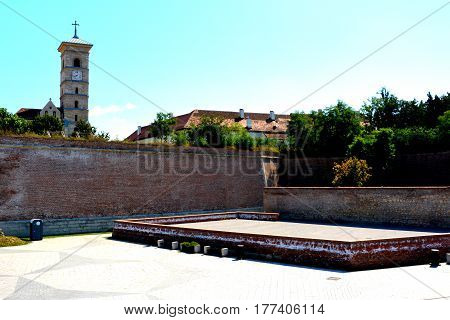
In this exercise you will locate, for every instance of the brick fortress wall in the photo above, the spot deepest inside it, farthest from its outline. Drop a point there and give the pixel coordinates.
(387, 206)
(57, 179)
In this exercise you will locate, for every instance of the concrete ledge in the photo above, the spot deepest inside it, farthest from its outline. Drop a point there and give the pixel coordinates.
(20, 228)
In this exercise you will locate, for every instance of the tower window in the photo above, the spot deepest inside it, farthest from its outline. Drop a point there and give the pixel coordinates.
(76, 104)
(76, 90)
(46, 112)
(76, 63)
(76, 118)
(54, 113)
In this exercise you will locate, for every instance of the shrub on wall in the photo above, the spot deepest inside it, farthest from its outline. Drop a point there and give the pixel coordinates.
(351, 172)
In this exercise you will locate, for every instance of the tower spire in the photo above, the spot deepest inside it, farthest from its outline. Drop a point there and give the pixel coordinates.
(75, 24)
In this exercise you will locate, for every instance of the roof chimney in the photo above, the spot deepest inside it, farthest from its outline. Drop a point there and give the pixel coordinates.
(249, 123)
(241, 114)
(272, 116)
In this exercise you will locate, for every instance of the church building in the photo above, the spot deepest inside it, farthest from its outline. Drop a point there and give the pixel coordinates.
(74, 85)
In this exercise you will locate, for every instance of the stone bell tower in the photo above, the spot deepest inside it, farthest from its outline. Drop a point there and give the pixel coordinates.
(74, 81)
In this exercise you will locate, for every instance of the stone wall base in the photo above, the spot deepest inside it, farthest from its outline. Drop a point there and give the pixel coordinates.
(20, 228)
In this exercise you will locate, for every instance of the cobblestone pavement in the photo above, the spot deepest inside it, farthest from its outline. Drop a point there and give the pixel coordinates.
(94, 266)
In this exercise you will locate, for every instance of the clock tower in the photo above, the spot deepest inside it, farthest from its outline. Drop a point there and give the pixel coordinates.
(74, 81)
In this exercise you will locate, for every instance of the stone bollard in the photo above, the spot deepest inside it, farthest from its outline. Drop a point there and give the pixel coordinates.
(224, 252)
(174, 245)
(240, 251)
(448, 258)
(206, 249)
(434, 257)
(160, 243)
(197, 249)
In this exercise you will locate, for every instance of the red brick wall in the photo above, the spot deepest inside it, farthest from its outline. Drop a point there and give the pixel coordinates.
(58, 179)
(398, 206)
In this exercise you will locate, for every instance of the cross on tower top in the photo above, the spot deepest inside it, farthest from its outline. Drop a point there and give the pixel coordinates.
(75, 24)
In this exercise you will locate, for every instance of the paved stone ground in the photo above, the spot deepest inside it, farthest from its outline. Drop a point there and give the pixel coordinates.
(94, 266)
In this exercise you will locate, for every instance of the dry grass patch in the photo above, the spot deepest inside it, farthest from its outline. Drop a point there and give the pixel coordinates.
(9, 241)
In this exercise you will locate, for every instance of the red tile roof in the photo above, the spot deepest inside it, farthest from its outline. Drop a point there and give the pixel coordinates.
(28, 113)
(260, 122)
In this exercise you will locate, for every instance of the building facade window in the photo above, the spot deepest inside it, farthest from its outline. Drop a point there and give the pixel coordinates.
(76, 104)
(76, 90)
(76, 63)
(54, 113)
(76, 118)
(46, 112)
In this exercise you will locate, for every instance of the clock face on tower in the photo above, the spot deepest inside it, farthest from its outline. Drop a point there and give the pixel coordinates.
(77, 75)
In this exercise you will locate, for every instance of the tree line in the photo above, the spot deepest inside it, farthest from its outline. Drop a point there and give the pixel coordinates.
(46, 125)
(385, 128)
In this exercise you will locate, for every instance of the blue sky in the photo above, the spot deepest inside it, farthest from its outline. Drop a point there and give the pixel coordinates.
(257, 55)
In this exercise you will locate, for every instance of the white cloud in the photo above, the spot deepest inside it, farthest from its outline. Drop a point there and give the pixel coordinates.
(117, 127)
(98, 111)
(118, 120)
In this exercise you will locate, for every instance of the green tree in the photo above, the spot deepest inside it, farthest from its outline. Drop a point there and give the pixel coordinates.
(434, 108)
(444, 123)
(418, 140)
(337, 127)
(326, 132)
(384, 149)
(302, 133)
(162, 127)
(410, 114)
(84, 129)
(381, 111)
(12, 123)
(180, 138)
(42, 124)
(378, 148)
(209, 132)
(387, 111)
